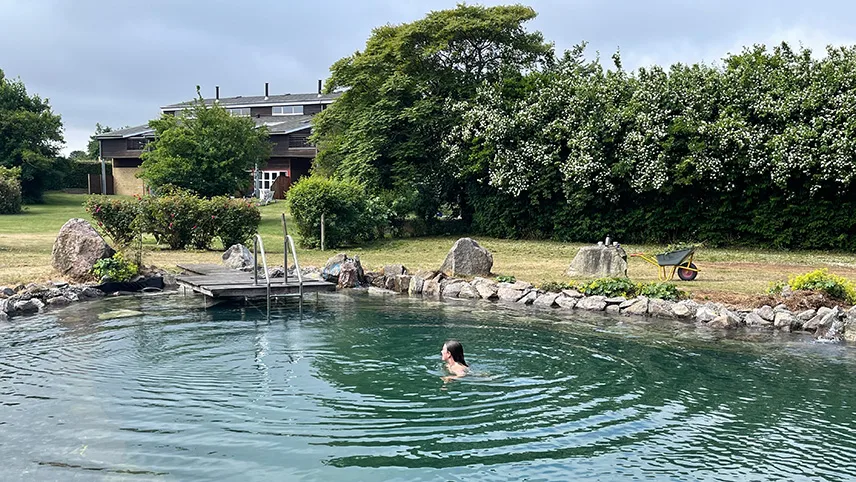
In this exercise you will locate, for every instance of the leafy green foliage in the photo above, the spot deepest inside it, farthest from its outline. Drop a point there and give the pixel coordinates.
(347, 219)
(115, 217)
(10, 190)
(385, 130)
(822, 280)
(30, 136)
(93, 147)
(235, 221)
(556, 286)
(608, 287)
(116, 268)
(663, 291)
(205, 150)
(506, 279)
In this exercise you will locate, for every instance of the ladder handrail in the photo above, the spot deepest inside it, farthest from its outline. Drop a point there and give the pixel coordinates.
(290, 241)
(258, 243)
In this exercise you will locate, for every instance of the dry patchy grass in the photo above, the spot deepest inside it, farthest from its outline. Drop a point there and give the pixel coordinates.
(26, 241)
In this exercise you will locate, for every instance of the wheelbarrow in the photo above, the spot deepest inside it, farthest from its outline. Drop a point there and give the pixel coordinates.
(675, 262)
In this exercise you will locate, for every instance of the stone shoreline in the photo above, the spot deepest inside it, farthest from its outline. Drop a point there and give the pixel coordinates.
(827, 324)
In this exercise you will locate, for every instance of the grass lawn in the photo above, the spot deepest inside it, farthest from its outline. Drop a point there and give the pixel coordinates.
(26, 241)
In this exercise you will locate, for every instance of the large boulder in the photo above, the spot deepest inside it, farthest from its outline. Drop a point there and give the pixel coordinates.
(238, 257)
(333, 269)
(350, 273)
(598, 262)
(467, 258)
(77, 248)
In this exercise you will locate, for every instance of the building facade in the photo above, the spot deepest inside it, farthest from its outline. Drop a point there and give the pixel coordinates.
(288, 118)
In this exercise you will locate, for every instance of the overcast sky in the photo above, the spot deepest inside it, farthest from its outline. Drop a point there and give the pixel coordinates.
(116, 61)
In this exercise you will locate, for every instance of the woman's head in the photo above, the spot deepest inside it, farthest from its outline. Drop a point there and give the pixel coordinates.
(454, 350)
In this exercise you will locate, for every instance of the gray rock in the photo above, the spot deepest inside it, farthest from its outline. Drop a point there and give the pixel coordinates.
(784, 320)
(59, 301)
(615, 300)
(754, 319)
(681, 311)
(59, 284)
(509, 294)
(6, 306)
(528, 298)
(546, 300)
(812, 324)
(468, 292)
(485, 288)
(416, 285)
(660, 308)
(781, 307)
(732, 316)
(517, 285)
(333, 268)
(451, 290)
(402, 283)
(32, 305)
(89, 292)
(613, 309)
(431, 289)
(566, 302)
(374, 290)
(722, 322)
(276, 272)
(806, 315)
(467, 258)
(638, 307)
(572, 294)
(706, 314)
(627, 303)
(766, 312)
(238, 257)
(598, 262)
(350, 273)
(827, 321)
(691, 305)
(392, 270)
(834, 333)
(592, 303)
(389, 283)
(77, 248)
(6, 291)
(3, 316)
(849, 325)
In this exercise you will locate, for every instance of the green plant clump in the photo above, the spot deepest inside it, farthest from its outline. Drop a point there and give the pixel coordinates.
(557, 286)
(10, 190)
(116, 268)
(609, 287)
(822, 280)
(506, 279)
(663, 291)
(347, 219)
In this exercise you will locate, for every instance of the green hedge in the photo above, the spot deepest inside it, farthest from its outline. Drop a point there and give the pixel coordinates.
(10, 190)
(349, 218)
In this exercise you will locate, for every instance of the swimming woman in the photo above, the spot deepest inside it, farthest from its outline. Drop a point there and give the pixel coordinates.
(453, 355)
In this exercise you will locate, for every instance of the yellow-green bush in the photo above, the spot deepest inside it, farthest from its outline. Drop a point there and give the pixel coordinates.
(822, 280)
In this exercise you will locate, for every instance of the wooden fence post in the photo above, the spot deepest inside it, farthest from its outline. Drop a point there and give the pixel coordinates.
(322, 231)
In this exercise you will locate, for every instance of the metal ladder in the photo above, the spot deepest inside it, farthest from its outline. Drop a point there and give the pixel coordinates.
(287, 243)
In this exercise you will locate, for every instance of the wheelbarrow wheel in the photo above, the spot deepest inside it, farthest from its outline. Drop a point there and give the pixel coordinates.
(688, 274)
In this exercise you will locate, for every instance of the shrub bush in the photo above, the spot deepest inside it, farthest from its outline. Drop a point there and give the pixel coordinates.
(116, 268)
(172, 217)
(557, 287)
(115, 217)
(506, 279)
(234, 221)
(826, 282)
(608, 287)
(344, 205)
(10, 190)
(663, 291)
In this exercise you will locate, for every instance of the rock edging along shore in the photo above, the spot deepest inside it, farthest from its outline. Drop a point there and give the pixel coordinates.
(827, 324)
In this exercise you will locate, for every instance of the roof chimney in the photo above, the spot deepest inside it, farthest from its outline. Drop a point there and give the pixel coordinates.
(267, 90)
(319, 87)
(216, 93)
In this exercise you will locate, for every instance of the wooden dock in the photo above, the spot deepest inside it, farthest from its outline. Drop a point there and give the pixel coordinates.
(219, 282)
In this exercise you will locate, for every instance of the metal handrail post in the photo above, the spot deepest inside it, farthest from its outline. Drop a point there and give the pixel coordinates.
(258, 243)
(284, 250)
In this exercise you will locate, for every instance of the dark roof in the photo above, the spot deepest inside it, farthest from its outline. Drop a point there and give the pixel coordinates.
(127, 132)
(279, 124)
(260, 100)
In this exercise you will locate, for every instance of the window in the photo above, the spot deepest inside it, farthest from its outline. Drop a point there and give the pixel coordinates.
(137, 144)
(244, 111)
(267, 178)
(288, 110)
(298, 140)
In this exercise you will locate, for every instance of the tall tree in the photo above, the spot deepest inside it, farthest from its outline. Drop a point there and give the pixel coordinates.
(30, 136)
(386, 129)
(78, 156)
(92, 148)
(205, 150)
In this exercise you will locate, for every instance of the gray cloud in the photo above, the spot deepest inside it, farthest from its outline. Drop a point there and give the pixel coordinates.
(116, 62)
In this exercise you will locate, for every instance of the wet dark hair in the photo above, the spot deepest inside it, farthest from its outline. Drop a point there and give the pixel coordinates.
(455, 349)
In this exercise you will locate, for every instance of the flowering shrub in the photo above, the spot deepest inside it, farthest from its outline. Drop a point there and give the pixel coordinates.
(171, 218)
(115, 217)
(835, 286)
(234, 221)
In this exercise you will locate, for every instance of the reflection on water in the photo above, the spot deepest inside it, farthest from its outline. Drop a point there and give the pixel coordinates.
(350, 389)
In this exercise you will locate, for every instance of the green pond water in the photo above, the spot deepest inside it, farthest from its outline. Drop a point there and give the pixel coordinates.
(350, 389)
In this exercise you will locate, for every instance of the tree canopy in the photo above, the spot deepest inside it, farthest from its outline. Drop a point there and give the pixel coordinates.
(30, 136)
(385, 131)
(93, 146)
(205, 150)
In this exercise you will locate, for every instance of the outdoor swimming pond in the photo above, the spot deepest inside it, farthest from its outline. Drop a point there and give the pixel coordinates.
(350, 389)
